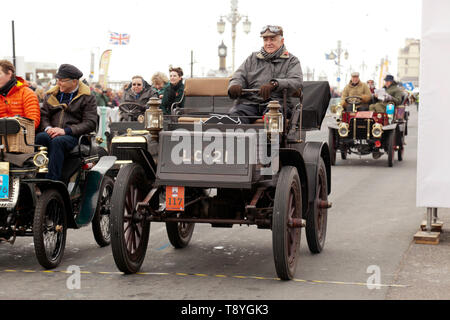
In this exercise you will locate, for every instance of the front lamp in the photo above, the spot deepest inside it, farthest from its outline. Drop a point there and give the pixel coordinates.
(153, 118)
(377, 130)
(339, 110)
(273, 120)
(40, 159)
(343, 129)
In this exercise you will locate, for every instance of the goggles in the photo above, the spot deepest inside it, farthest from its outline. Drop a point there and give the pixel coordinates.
(274, 29)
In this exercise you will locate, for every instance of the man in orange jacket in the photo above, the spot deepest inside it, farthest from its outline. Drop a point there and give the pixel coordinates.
(16, 98)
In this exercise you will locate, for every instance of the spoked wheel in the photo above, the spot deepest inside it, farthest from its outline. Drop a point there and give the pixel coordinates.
(287, 207)
(391, 149)
(180, 233)
(332, 146)
(316, 220)
(101, 220)
(49, 228)
(129, 229)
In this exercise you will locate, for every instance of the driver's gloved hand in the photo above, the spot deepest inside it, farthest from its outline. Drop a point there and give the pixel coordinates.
(266, 90)
(235, 91)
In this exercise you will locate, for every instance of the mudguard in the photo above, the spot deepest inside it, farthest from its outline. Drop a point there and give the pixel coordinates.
(333, 126)
(390, 127)
(291, 157)
(91, 193)
(44, 184)
(312, 153)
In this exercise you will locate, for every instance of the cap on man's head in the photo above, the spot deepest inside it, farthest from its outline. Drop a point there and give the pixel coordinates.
(389, 78)
(271, 31)
(68, 71)
(355, 74)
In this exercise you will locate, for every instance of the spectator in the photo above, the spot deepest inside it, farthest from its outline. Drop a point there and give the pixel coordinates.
(371, 85)
(138, 91)
(159, 81)
(16, 98)
(69, 111)
(112, 97)
(99, 94)
(173, 91)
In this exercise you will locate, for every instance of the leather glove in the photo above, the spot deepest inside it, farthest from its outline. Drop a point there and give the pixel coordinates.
(266, 90)
(235, 91)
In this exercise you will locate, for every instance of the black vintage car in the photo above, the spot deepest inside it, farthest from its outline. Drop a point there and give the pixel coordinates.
(200, 166)
(31, 205)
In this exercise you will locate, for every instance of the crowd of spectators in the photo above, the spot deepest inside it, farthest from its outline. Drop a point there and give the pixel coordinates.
(138, 90)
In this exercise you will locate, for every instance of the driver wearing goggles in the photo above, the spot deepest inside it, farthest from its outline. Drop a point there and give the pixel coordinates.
(270, 70)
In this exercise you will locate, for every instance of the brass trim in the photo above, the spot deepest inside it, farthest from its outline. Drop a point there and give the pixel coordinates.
(354, 128)
(23, 170)
(368, 129)
(128, 139)
(123, 161)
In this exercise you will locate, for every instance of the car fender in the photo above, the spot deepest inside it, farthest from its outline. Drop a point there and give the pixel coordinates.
(312, 153)
(390, 127)
(94, 181)
(45, 184)
(333, 126)
(291, 157)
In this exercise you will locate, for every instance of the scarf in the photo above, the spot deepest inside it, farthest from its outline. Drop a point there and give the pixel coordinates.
(8, 86)
(274, 55)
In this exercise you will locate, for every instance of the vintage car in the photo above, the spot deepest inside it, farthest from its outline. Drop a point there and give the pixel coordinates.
(31, 205)
(367, 132)
(198, 165)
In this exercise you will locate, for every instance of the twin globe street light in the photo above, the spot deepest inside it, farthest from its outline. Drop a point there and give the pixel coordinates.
(233, 17)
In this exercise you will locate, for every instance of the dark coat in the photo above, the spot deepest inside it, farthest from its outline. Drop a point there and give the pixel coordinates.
(172, 94)
(256, 71)
(147, 92)
(80, 115)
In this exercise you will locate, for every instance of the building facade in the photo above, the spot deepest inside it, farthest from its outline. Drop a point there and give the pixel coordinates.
(409, 62)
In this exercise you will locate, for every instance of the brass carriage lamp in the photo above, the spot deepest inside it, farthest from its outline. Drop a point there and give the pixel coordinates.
(273, 120)
(153, 118)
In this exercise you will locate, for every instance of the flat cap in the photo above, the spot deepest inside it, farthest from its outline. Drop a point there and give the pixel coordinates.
(355, 74)
(389, 77)
(68, 71)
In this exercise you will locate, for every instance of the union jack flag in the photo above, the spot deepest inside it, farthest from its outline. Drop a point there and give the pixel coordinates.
(119, 38)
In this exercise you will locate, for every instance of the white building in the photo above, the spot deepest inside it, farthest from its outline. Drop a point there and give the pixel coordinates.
(409, 62)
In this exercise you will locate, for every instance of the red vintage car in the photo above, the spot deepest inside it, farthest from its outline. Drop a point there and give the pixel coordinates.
(368, 132)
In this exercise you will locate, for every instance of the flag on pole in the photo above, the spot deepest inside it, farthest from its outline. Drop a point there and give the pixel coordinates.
(104, 66)
(119, 38)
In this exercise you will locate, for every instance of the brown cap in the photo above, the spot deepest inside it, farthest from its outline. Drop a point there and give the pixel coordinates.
(271, 31)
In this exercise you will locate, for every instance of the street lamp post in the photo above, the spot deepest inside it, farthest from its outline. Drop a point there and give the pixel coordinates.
(333, 56)
(233, 17)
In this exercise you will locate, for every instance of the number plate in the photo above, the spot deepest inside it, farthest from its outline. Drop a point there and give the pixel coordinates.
(4, 180)
(175, 198)
(360, 141)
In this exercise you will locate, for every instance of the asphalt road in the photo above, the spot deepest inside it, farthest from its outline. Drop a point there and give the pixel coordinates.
(372, 222)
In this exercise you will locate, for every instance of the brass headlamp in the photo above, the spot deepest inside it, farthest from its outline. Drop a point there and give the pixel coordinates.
(40, 160)
(343, 129)
(377, 130)
(153, 118)
(273, 120)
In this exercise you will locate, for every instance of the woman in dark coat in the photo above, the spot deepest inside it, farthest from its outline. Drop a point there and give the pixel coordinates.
(173, 91)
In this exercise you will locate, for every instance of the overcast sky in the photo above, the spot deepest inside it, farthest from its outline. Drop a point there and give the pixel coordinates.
(165, 32)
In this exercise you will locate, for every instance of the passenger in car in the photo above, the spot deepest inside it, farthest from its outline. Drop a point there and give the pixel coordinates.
(393, 95)
(271, 70)
(16, 98)
(69, 111)
(173, 91)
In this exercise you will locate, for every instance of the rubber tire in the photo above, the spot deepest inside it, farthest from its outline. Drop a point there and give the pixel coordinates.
(315, 244)
(391, 149)
(178, 240)
(102, 239)
(332, 146)
(129, 174)
(39, 218)
(287, 177)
